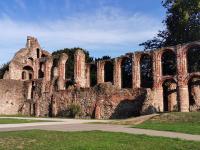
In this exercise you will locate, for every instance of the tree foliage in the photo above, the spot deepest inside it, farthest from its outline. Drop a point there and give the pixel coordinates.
(182, 24)
(3, 69)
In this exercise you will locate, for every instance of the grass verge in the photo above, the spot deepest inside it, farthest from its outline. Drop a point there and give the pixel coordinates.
(16, 121)
(93, 140)
(177, 122)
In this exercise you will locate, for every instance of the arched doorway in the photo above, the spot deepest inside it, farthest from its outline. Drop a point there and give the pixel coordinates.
(146, 70)
(126, 72)
(170, 95)
(168, 60)
(194, 93)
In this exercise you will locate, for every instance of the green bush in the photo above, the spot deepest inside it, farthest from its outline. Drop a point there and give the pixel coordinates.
(74, 110)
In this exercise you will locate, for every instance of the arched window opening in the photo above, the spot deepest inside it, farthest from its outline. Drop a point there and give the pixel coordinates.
(168, 63)
(126, 73)
(146, 70)
(38, 53)
(170, 95)
(193, 59)
(194, 93)
(93, 75)
(108, 71)
(27, 73)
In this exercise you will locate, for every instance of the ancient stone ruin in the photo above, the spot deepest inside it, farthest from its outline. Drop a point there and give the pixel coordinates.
(159, 80)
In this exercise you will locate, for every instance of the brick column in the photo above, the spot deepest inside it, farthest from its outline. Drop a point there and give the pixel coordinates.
(136, 79)
(157, 83)
(79, 68)
(61, 71)
(183, 94)
(88, 75)
(47, 72)
(100, 72)
(117, 73)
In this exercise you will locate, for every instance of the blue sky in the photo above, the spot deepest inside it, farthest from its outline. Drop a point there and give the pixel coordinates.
(103, 27)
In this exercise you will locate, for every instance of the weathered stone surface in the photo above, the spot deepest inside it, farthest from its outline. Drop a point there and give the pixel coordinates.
(104, 101)
(11, 97)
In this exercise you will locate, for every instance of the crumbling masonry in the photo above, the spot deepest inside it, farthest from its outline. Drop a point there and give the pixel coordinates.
(34, 85)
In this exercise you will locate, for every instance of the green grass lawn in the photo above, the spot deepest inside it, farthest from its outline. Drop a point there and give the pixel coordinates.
(177, 122)
(93, 140)
(15, 121)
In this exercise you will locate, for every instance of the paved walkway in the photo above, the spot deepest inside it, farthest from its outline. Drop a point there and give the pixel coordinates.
(80, 125)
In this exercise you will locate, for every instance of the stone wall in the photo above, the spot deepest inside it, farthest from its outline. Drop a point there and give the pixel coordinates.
(104, 101)
(11, 97)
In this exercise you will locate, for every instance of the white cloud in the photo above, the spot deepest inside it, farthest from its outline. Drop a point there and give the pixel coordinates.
(108, 28)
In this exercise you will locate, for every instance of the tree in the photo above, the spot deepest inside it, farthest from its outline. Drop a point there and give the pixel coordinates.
(182, 24)
(3, 69)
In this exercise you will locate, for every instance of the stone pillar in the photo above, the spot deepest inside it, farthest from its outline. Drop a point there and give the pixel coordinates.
(183, 94)
(61, 71)
(47, 71)
(88, 75)
(136, 79)
(80, 68)
(157, 81)
(100, 72)
(117, 73)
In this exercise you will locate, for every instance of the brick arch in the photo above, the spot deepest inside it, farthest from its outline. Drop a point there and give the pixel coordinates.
(27, 73)
(168, 78)
(194, 91)
(186, 47)
(170, 102)
(190, 76)
(161, 51)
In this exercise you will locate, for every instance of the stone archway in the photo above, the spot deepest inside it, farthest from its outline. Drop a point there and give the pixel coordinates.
(170, 102)
(27, 73)
(194, 93)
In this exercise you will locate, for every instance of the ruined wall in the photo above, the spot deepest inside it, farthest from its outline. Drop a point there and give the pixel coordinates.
(104, 101)
(11, 97)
